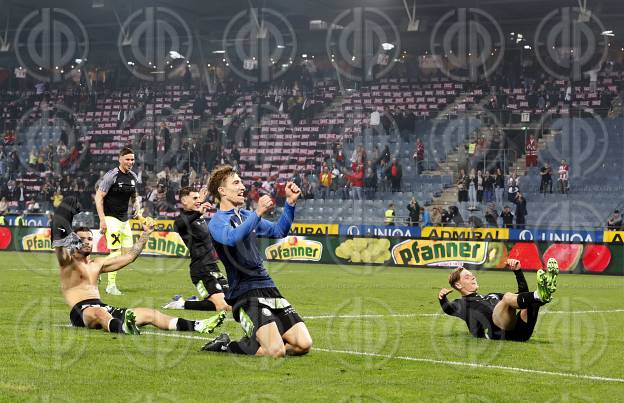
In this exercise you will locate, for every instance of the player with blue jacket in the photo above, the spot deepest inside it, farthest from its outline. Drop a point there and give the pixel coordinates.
(272, 326)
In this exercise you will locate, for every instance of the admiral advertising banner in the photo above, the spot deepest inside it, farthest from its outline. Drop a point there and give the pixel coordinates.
(595, 258)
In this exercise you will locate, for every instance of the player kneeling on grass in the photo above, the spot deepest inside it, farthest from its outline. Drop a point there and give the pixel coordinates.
(205, 275)
(79, 284)
(272, 326)
(500, 316)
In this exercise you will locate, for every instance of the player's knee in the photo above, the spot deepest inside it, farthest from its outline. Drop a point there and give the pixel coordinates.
(304, 345)
(510, 298)
(276, 351)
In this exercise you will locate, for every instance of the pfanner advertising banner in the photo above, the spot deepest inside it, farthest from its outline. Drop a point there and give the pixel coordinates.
(40, 240)
(486, 254)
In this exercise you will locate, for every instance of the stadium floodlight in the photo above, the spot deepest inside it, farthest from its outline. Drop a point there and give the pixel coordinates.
(175, 55)
(130, 63)
(78, 61)
(281, 46)
(97, 4)
(608, 32)
(527, 46)
(387, 46)
(218, 51)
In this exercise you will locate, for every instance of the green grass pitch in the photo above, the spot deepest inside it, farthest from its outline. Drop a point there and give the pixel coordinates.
(378, 336)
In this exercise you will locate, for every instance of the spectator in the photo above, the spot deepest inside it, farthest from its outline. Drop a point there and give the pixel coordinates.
(414, 212)
(426, 217)
(20, 220)
(507, 217)
(462, 187)
(389, 215)
(356, 180)
(396, 173)
(472, 190)
(614, 223)
(4, 206)
(436, 217)
(325, 181)
(57, 198)
(513, 186)
(521, 210)
(454, 217)
(370, 183)
(564, 173)
(488, 187)
(546, 178)
(531, 152)
(480, 186)
(499, 186)
(382, 176)
(19, 195)
(419, 155)
(32, 206)
(491, 215)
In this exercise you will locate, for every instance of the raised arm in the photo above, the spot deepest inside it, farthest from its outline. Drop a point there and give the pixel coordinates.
(222, 232)
(118, 262)
(449, 308)
(280, 228)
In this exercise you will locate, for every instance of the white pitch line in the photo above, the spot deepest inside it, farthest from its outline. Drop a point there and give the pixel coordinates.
(414, 315)
(417, 359)
(475, 365)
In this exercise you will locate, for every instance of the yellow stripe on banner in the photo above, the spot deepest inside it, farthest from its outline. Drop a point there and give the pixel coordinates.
(613, 236)
(314, 229)
(471, 234)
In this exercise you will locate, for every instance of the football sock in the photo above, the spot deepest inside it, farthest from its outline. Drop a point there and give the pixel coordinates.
(522, 284)
(203, 305)
(115, 325)
(112, 276)
(185, 325)
(243, 346)
(526, 299)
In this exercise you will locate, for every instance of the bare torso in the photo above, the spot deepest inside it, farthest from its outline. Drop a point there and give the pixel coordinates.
(79, 280)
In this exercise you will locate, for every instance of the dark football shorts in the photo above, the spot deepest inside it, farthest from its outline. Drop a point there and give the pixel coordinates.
(208, 280)
(75, 316)
(262, 306)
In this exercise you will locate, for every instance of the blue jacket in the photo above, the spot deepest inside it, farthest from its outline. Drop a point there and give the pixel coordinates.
(234, 238)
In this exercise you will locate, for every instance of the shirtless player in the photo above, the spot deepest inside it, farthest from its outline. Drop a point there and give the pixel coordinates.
(79, 283)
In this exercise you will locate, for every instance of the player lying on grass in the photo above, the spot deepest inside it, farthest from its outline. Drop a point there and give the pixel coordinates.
(79, 278)
(272, 326)
(500, 316)
(205, 274)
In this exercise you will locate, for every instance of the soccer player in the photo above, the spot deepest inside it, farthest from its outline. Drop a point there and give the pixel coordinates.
(116, 189)
(79, 276)
(272, 326)
(500, 316)
(205, 274)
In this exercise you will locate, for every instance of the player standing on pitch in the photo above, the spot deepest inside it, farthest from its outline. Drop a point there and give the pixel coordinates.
(116, 189)
(500, 316)
(205, 274)
(272, 326)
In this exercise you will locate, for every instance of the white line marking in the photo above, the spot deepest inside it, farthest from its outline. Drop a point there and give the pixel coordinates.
(414, 315)
(413, 359)
(475, 365)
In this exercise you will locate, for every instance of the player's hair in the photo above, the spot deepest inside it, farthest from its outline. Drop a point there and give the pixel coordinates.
(82, 229)
(126, 151)
(217, 176)
(454, 276)
(185, 191)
